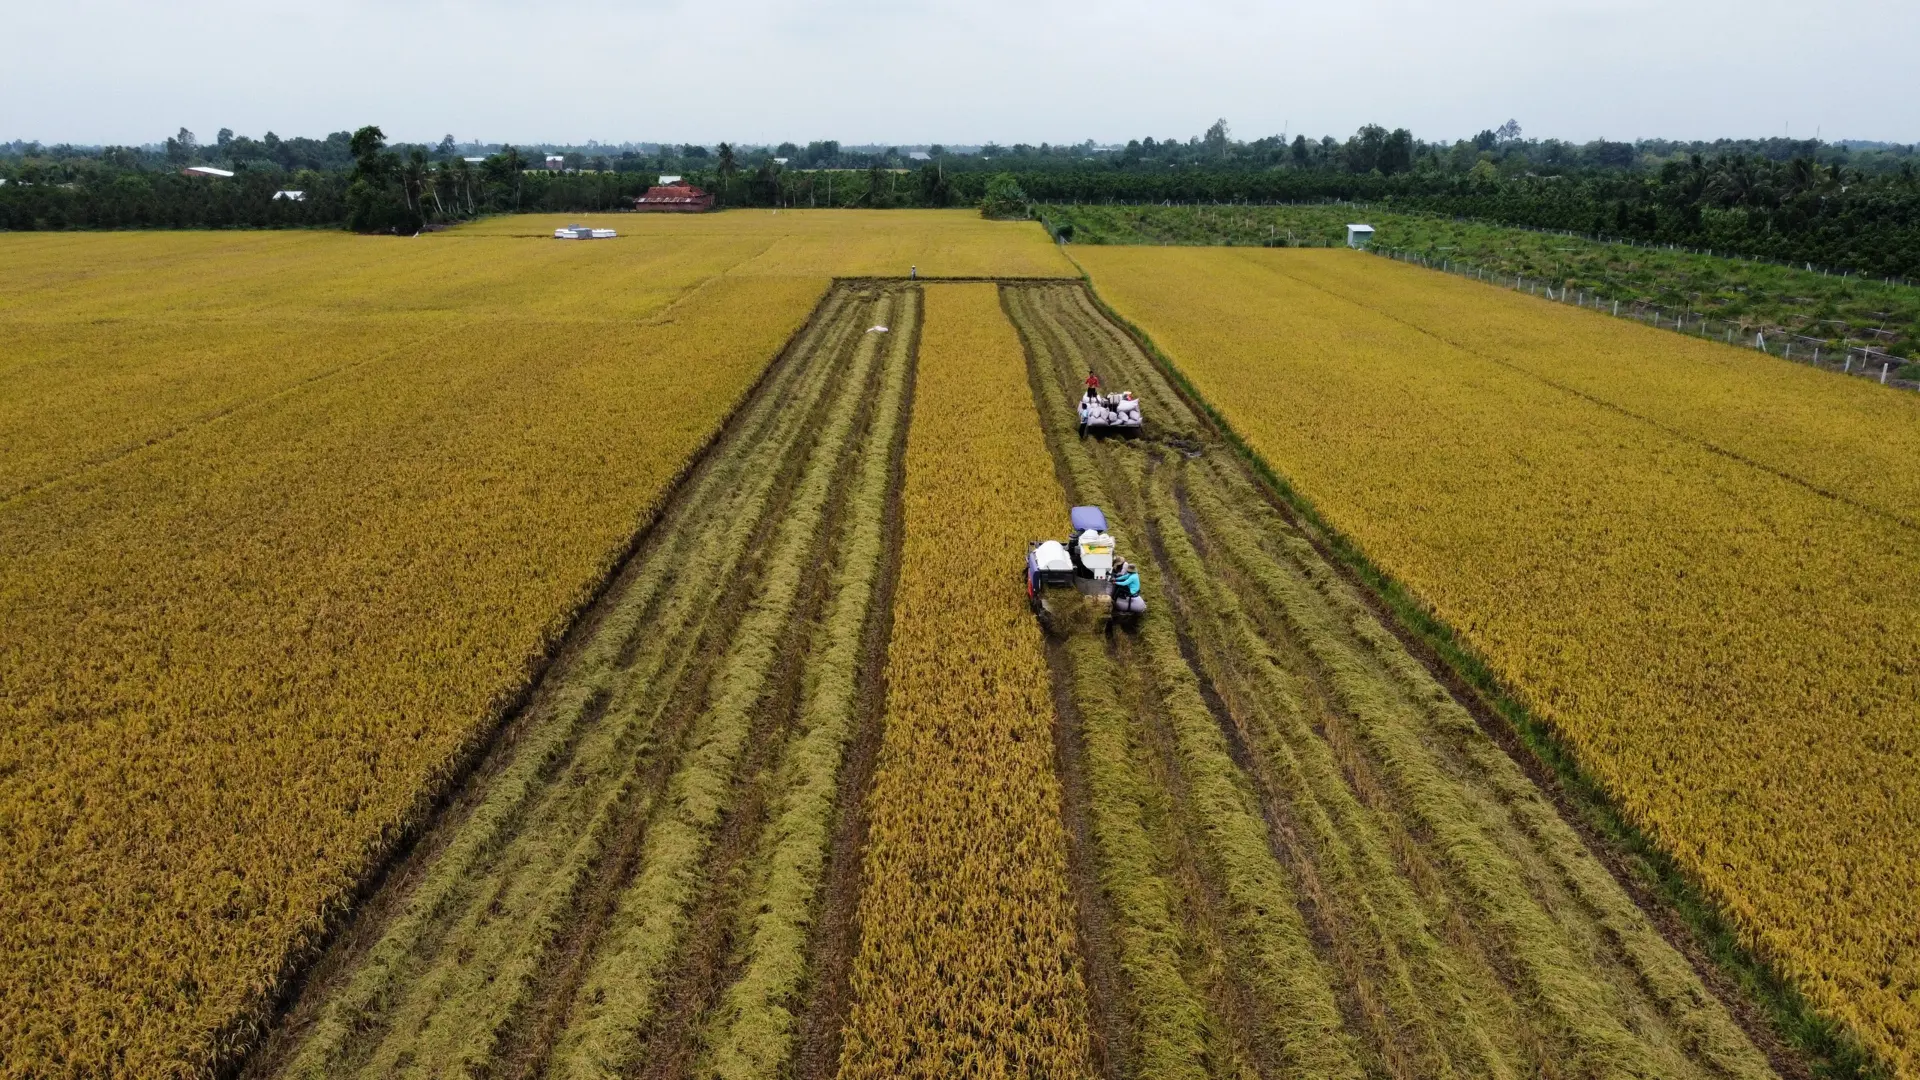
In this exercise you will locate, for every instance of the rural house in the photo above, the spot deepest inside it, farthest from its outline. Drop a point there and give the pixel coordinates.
(678, 197)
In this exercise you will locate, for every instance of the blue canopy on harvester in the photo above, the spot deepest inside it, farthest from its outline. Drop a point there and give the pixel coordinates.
(1088, 517)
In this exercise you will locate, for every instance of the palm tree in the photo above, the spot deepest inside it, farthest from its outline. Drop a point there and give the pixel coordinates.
(413, 178)
(463, 180)
(437, 175)
(1802, 176)
(728, 167)
(1733, 183)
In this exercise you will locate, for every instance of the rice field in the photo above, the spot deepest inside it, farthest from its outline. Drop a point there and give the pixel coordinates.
(288, 524)
(1693, 562)
(1317, 862)
(968, 961)
(481, 656)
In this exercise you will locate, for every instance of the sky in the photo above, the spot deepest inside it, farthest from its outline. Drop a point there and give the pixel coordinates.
(907, 72)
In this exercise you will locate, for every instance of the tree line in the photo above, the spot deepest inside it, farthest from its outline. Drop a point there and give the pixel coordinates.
(1853, 206)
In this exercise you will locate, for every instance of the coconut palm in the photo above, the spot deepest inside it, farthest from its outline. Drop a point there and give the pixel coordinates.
(728, 168)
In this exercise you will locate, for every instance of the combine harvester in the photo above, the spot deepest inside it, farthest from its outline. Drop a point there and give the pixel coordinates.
(583, 232)
(1085, 563)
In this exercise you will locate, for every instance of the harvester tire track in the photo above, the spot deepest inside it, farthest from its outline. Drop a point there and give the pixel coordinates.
(835, 932)
(670, 1040)
(528, 1055)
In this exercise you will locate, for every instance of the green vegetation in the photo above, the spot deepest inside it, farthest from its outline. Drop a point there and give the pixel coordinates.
(1812, 303)
(1004, 199)
(1846, 205)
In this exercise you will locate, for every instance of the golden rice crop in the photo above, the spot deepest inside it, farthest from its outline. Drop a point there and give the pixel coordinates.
(1721, 625)
(1847, 436)
(967, 960)
(284, 518)
(460, 974)
(115, 340)
(118, 340)
(843, 243)
(240, 649)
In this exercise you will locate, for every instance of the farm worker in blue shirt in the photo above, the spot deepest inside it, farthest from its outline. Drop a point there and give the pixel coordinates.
(1129, 579)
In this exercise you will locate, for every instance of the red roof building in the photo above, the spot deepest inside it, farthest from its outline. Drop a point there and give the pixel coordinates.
(674, 198)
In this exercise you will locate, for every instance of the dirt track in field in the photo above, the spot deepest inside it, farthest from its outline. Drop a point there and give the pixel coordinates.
(593, 896)
(1309, 856)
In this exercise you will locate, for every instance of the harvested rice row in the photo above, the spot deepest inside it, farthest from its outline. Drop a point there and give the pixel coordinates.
(1664, 549)
(1464, 791)
(486, 909)
(1472, 933)
(1382, 992)
(1127, 810)
(620, 991)
(1424, 1011)
(1298, 1024)
(752, 1036)
(967, 963)
(1231, 495)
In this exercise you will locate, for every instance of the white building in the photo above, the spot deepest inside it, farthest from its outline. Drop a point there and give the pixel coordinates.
(556, 162)
(1359, 236)
(291, 196)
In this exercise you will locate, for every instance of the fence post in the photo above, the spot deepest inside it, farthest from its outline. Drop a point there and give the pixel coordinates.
(1883, 372)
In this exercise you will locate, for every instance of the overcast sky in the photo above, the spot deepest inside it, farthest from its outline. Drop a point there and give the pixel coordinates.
(132, 71)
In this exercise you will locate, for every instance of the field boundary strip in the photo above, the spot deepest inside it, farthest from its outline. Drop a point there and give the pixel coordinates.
(1769, 1004)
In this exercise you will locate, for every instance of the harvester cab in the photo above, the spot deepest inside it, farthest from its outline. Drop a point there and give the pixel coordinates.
(1083, 562)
